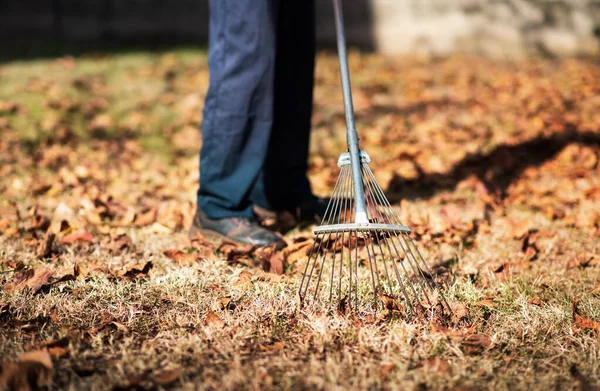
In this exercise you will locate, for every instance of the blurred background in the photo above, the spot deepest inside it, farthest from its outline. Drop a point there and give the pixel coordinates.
(480, 116)
(438, 27)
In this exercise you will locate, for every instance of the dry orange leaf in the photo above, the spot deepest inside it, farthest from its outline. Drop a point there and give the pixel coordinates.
(120, 327)
(146, 218)
(583, 261)
(167, 377)
(29, 279)
(275, 263)
(139, 270)
(56, 347)
(180, 256)
(437, 365)
(211, 318)
(459, 311)
(78, 236)
(225, 303)
(119, 243)
(203, 246)
(45, 248)
(478, 340)
(277, 346)
(297, 251)
(33, 370)
(484, 303)
(244, 278)
(439, 328)
(535, 301)
(390, 303)
(583, 321)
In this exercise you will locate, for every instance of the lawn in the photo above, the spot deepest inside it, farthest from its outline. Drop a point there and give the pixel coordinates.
(494, 165)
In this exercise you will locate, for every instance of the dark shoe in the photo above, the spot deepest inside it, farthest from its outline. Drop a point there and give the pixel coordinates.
(239, 229)
(311, 211)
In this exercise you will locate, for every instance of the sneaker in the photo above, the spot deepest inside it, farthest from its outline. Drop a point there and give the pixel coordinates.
(239, 229)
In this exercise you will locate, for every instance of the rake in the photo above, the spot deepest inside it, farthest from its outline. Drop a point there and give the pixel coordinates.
(360, 227)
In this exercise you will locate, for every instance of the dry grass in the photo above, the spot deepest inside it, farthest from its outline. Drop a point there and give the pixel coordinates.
(217, 326)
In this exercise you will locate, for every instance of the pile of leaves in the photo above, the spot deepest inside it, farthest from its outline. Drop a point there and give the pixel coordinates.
(495, 166)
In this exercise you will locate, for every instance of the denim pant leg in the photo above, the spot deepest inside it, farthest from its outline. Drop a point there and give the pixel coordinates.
(283, 182)
(238, 111)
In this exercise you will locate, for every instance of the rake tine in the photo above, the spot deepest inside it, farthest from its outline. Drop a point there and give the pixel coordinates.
(319, 238)
(415, 269)
(428, 270)
(336, 204)
(400, 282)
(374, 206)
(356, 269)
(433, 285)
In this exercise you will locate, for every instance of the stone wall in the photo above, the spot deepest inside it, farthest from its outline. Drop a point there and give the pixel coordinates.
(491, 27)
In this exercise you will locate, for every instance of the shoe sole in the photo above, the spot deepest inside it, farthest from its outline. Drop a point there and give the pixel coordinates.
(216, 237)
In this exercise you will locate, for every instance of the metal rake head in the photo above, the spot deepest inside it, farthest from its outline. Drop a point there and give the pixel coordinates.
(348, 239)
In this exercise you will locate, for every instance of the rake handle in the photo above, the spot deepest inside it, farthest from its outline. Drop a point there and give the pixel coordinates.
(351, 134)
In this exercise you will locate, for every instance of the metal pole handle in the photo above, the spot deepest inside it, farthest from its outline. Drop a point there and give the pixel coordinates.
(351, 134)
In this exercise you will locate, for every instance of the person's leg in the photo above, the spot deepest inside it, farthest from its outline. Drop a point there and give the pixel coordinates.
(238, 111)
(283, 183)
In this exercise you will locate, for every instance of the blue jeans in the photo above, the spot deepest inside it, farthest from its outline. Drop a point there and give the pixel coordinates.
(258, 107)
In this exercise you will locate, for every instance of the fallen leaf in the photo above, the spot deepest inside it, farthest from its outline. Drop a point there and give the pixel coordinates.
(119, 243)
(203, 247)
(583, 261)
(583, 321)
(4, 224)
(45, 248)
(273, 261)
(596, 292)
(38, 223)
(390, 303)
(386, 368)
(297, 251)
(211, 318)
(76, 237)
(519, 229)
(133, 382)
(29, 279)
(56, 347)
(244, 278)
(277, 346)
(485, 303)
(225, 303)
(236, 253)
(439, 328)
(11, 232)
(459, 311)
(343, 306)
(139, 270)
(180, 257)
(535, 301)
(478, 340)
(437, 365)
(167, 377)
(33, 370)
(145, 218)
(171, 217)
(120, 327)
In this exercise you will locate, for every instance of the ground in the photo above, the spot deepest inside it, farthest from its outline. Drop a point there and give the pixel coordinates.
(493, 165)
